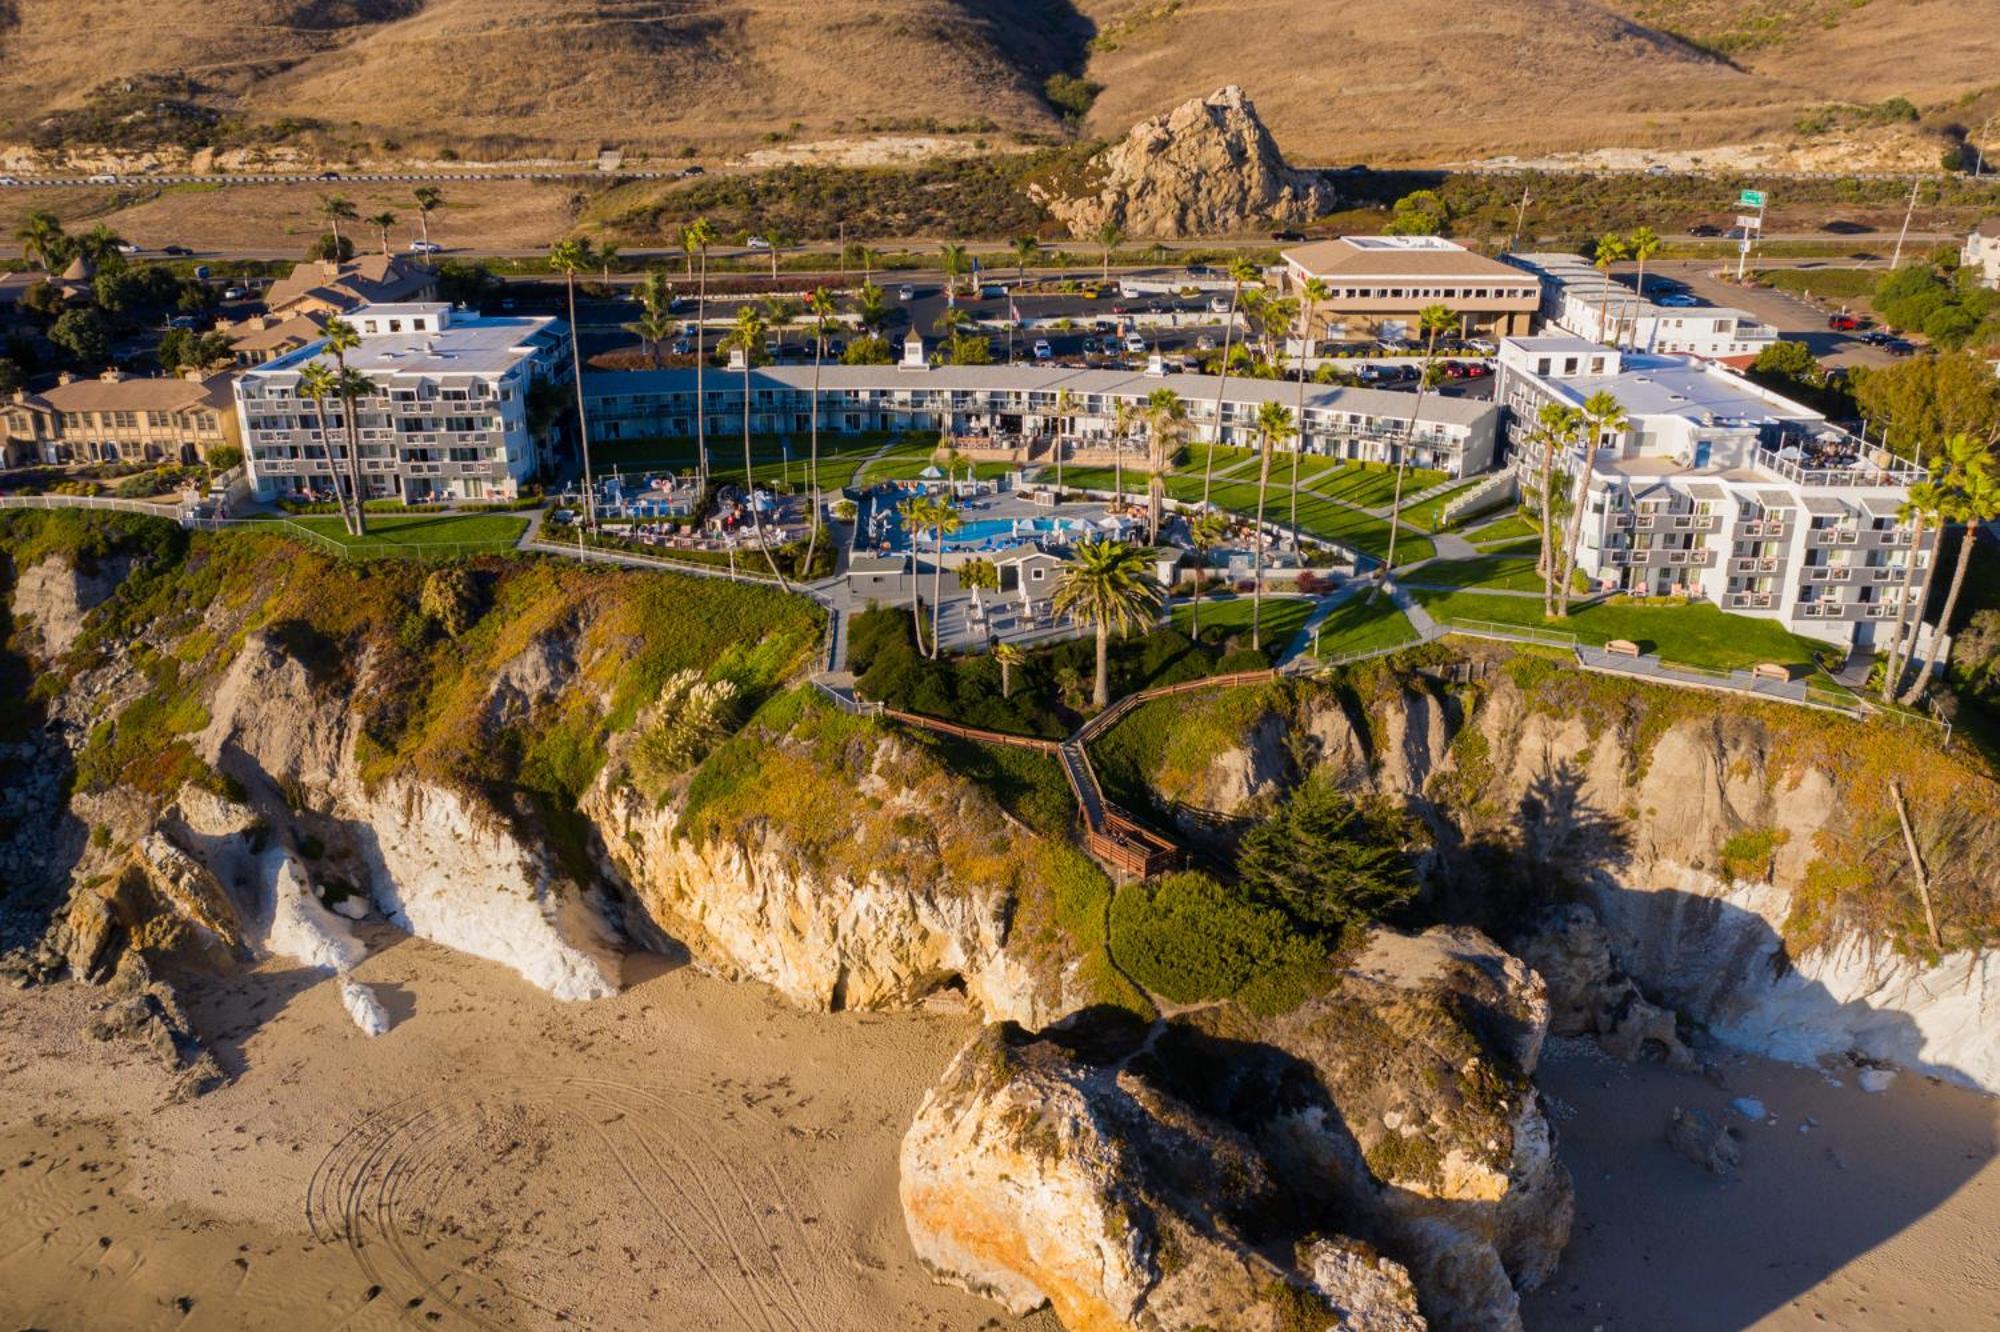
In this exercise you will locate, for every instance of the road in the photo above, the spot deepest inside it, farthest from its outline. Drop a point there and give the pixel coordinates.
(1795, 319)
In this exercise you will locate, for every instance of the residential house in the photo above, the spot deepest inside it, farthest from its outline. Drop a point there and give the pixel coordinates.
(117, 417)
(1981, 254)
(320, 287)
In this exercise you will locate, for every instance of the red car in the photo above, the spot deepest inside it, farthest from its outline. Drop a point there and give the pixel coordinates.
(1843, 322)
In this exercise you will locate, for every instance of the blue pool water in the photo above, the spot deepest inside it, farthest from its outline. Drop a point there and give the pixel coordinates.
(983, 530)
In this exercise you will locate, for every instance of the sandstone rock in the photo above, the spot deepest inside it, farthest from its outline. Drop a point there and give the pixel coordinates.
(1369, 1293)
(56, 596)
(184, 887)
(1206, 167)
(1588, 994)
(1696, 1135)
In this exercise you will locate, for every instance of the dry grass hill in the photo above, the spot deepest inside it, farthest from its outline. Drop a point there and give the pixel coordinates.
(1336, 79)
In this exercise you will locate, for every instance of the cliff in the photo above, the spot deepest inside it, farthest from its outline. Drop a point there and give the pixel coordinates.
(1207, 167)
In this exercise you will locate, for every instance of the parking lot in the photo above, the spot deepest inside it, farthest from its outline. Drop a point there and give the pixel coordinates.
(1796, 320)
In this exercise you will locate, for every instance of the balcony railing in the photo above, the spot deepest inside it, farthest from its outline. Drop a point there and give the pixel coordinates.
(1754, 564)
(1750, 600)
(1762, 527)
(1835, 536)
(1874, 467)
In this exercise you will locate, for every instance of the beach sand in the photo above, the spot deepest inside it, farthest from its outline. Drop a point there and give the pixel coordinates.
(692, 1154)
(1883, 1214)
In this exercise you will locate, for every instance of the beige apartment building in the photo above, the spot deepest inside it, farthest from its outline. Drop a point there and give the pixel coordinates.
(1380, 283)
(117, 418)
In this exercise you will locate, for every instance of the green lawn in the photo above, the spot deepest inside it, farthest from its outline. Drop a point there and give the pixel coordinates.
(1373, 485)
(1281, 621)
(1323, 518)
(1504, 569)
(1694, 635)
(1503, 531)
(1425, 516)
(418, 534)
(837, 456)
(909, 460)
(1364, 624)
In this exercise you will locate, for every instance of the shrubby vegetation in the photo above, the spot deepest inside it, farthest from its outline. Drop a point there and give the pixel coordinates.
(1945, 304)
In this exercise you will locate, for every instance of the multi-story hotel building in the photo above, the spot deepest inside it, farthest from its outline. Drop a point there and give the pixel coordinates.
(1454, 435)
(448, 418)
(1380, 283)
(1722, 490)
(1578, 299)
(116, 417)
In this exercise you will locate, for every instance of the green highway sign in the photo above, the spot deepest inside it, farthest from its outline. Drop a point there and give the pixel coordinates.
(1750, 199)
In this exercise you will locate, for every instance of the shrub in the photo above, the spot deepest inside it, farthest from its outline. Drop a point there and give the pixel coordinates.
(1189, 939)
(1326, 862)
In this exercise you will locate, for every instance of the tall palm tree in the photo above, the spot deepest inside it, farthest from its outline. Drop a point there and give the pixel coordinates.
(1313, 293)
(341, 338)
(1610, 249)
(429, 199)
(1975, 501)
(871, 306)
(570, 257)
(98, 245)
(1026, 250)
(820, 310)
(748, 338)
(1121, 428)
(652, 328)
(1556, 428)
(915, 513)
(945, 520)
(1166, 419)
(1065, 404)
(1241, 270)
(1643, 244)
(1432, 320)
(1603, 415)
(382, 221)
(954, 259)
(1107, 586)
(1925, 501)
(607, 255)
(1206, 531)
(656, 292)
(1274, 425)
(1108, 237)
(336, 209)
(319, 381)
(41, 237)
(696, 237)
(978, 576)
(1008, 656)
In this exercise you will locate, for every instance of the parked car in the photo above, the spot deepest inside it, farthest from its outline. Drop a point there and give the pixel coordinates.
(1090, 345)
(687, 172)
(1103, 326)
(1482, 346)
(1477, 370)
(233, 293)
(1205, 342)
(1134, 345)
(993, 291)
(1454, 370)
(127, 247)
(1878, 337)
(758, 243)
(425, 247)
(1044, 352)
(1899, 346)
(681, 347)
(1679, 300)
(906, 292)
(1218, 305)
(1843, 322)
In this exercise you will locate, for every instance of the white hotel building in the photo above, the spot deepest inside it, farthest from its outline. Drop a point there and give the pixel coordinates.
(448, 419)
(1578, 299)
(1454, 435)
(1722, 490)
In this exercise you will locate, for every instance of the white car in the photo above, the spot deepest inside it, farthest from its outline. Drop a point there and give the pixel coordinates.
(1219, 305)
(1204, 343)
(126, 247)
(1677, 300)
(906, 292)
(1044, 352)
(1134, 345)
(758, 243)
(425, 247)
(234, 294)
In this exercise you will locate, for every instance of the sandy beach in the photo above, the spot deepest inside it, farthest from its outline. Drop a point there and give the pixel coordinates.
(691, 1154)
(1883, 1213)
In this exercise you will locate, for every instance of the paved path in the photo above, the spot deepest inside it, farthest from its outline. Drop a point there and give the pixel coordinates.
(1301, 644)
(1420, 620)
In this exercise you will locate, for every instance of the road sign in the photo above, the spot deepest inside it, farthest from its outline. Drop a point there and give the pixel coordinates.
(1751, 199)
(1749, 223)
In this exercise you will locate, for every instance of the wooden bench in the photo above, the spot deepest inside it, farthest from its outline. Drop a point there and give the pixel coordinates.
(1622, 647)
(1770, 670)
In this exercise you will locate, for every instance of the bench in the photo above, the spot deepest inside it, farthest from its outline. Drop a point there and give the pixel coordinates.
(1622, 647)
(1770, 670)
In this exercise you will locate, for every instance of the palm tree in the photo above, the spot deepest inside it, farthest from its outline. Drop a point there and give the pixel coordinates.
(341, 338)
(1026, 250)
(1975, 501)
(1166, 418)
(337, 209)
(978, 575)
(1121, 427)
(915, 513)
(696, 237)
(1009, 657)
(429, 199)
(570, 257)
(1610, 249)
(954, 260)
(1065, 404)
(1241, 270)
(656, 292)
(1602, 414)
(41, 237)
(945, 520)
(1108, 237)
(319, 381)
(98, 245)
(1642, 245)
(819, 313)
(1433, 320)
(1313, 293)
(1106, 586)
(1556, 428)
(1205, 532)
(652, 328)
(871, 306)
(1274, 424)
(1925, 500)
(382, 221)
(607, 254)
(748, 338)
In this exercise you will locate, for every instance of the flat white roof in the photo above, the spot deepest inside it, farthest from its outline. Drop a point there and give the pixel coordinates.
(477, 345)
(1403, 244)
(1676, 386)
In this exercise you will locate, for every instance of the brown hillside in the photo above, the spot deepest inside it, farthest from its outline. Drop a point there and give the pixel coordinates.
(1335, 79)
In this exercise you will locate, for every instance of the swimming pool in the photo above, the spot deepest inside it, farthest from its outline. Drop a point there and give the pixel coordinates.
(983, 530)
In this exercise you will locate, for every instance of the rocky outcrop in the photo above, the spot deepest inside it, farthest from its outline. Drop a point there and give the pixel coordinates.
(1588, 994)
(1712, 1146)
(54, 595)
(1121, 1171)
(1207, 167)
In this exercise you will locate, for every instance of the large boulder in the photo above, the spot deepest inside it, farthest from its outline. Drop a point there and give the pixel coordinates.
(1206, 167)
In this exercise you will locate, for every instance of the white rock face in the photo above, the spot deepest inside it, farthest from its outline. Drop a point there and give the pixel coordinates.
(364, 1008)
(299, 927)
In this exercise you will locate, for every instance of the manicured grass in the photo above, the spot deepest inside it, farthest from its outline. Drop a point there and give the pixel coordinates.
(1097, 478)
(1507, 573)
(1832, 284)
(1425, 516)
(1364, 624)
(837, 456)
(1502, 531)
(1373, 485)
(909, 461)
(418, 534)
(1323, 518)
(1693, 635)
(1281, 620)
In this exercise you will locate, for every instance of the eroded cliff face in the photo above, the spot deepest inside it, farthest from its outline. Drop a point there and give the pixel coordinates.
(1382, 1134)
(1720, 843)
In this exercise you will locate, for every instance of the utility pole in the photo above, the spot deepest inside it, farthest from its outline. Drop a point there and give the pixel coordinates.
(1979, 162)
(1520, 220)
(1908, 213)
